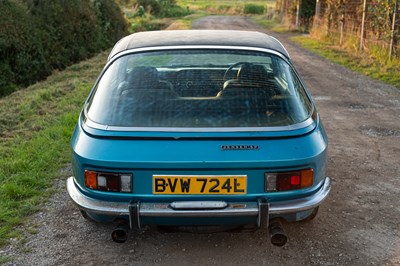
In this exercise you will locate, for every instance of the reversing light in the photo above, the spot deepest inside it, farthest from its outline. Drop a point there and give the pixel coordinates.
(126, 183)
(284, 181)
(113, 182)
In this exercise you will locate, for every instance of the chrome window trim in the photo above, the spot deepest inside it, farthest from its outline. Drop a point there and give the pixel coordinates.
(194, 47)
(300, 125)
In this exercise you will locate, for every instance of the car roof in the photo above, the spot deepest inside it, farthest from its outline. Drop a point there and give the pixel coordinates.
(198, 37)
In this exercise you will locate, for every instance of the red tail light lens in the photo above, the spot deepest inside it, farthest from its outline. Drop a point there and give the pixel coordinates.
(108, 181)
(285, 181)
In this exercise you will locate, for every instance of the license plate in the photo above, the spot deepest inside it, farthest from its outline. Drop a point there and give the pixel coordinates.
(199, 184)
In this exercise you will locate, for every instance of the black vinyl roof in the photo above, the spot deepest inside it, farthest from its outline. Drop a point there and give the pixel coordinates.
(198, 37)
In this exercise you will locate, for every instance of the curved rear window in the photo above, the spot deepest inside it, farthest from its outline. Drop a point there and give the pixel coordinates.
(199, 89)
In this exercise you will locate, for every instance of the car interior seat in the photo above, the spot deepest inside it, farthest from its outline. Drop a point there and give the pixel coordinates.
(251, 80)
(144, 81)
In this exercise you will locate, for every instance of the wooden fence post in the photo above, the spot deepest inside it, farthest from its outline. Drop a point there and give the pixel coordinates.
(393, 29)
(317, 12)
(341, 23)
(318, 9)
(363, 25)
(284, 10)
(298, 15)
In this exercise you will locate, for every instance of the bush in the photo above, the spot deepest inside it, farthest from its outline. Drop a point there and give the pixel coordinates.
(174, 12)
(151, 6)
(161, 8)
(253, 9)
(144, 24)
(21, 54)
(37, 37)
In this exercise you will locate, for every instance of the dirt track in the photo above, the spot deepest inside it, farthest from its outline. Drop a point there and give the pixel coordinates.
(358, 225)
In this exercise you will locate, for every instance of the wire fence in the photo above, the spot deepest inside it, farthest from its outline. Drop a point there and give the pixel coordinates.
(366, 25)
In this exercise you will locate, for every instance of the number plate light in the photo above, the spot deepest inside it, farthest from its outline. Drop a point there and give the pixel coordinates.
(284, 181)
(108, 181)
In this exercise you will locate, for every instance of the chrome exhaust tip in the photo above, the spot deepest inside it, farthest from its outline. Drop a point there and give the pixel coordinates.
(120, 233)
(276, 233)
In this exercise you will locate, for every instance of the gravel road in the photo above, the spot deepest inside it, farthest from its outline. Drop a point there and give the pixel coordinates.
(358, 224)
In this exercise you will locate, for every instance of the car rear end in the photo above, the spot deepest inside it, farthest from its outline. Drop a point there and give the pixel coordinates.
(177, 136)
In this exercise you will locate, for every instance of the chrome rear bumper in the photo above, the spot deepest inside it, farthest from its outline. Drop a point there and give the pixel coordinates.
(261, 209)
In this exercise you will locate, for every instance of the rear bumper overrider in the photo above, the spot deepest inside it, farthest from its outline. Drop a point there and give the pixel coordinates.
(260, 209)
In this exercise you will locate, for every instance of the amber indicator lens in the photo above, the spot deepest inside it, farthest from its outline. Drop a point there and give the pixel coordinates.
(91, 179)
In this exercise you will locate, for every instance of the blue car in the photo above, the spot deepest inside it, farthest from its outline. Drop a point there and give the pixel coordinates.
(199, 129)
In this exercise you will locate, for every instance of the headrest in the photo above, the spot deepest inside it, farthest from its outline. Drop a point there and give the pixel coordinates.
(252, 72)
(143, 76)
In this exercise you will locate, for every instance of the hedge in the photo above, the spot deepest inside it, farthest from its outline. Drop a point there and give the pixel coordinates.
(37, 37)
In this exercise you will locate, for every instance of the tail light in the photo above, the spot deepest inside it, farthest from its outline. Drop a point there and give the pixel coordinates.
(284, 181)
(108, 181)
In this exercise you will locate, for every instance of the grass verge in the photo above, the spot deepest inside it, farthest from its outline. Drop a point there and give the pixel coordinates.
(227, 7)
(35, 127)
(387, 72)
(271, 22)
(4, 259)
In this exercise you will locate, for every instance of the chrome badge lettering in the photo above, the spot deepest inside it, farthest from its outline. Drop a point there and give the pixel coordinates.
(239, 147)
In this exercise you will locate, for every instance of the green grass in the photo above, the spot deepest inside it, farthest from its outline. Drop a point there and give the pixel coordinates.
(253, 9)
(230, 7)
(359, 62)
(185, 23)
(269, 21)
(4, 259)
(148, 24)
(35, 127)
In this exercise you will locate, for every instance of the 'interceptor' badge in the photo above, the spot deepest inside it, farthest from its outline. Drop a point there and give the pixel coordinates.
(239, 147)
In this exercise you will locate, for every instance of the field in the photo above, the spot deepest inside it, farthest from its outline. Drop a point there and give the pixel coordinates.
(224, 6)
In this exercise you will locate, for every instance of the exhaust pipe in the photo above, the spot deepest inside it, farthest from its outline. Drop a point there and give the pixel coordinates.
(120, 233)
(276, 233)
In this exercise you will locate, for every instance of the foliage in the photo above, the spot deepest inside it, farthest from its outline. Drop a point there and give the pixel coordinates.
(151, 6)
(342, 21)
(385, 71)
(35, 128)
(253, 9)
(270, 22)
(37, 37)
(225, 7)
(307, 13)
(175, 12)
(160, 8)
(141, 12)
(144, 24)
(4, 259)
(288, 10)
(381, 20)
(21, 52)
(152, 15)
